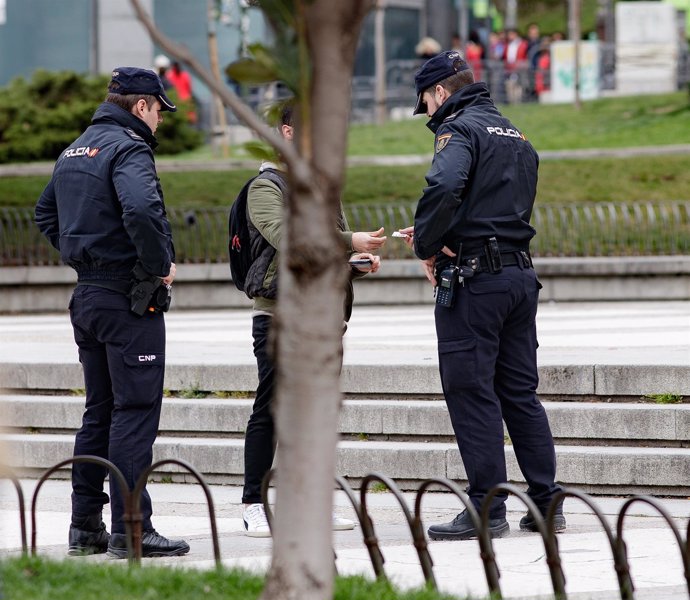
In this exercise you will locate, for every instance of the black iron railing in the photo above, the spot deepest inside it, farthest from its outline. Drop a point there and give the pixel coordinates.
(413, 519)
(594, 229)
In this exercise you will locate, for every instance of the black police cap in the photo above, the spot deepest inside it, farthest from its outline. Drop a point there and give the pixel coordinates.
(133, 80)
(436, 69)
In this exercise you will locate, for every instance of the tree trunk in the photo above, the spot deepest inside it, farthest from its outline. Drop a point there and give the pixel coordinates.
(309, 322)
(220, 125)
(309, 319)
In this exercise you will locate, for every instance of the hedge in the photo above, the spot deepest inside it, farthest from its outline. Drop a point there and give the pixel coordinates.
(39, 118)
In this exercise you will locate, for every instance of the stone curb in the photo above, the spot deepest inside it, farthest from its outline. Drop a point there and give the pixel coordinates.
(401, 282)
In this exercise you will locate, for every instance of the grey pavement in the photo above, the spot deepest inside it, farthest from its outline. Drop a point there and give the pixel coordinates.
(601, 333)
(635, 334)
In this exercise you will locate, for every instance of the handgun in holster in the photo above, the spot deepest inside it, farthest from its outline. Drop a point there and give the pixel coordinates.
(148, 293)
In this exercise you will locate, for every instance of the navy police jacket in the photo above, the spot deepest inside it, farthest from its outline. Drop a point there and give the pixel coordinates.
(103, 207)
(482, 181)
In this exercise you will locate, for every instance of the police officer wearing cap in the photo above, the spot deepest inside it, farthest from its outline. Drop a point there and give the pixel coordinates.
(103, 210)
(472, 231)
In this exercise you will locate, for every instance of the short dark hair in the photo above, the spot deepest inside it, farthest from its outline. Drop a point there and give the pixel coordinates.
(286, 114)
(127, 101)
(455, 82)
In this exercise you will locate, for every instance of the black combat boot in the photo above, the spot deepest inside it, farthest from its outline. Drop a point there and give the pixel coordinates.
(462, 528)
(527, 523)
(87, 535)
(152, 544)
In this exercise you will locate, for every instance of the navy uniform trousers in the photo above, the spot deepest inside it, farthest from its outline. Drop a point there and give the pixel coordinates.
(123, 357)
(487, 347)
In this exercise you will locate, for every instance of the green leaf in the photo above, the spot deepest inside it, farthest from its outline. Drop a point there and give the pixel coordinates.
(260, 150)
(250, 71)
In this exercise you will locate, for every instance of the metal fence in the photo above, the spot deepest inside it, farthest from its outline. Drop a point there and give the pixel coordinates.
(413, 519)
(594, 229)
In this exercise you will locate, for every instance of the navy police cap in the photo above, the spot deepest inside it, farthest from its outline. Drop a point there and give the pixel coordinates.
(436, 69)
(133, 80)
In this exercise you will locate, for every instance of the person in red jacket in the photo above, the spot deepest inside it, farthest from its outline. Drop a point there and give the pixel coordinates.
(474, 54)
(515, 61)
(182, 82)
(542, 74)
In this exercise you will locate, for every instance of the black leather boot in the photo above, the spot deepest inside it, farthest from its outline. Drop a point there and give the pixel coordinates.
(152, 544)
(527, 523)
(462, 528)
(87, 535)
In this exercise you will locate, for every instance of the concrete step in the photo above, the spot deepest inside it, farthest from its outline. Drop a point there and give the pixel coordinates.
(576, 422)
(373, 376)
(594, 469)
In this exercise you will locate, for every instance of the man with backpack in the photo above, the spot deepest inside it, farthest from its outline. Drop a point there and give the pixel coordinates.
(266, 196)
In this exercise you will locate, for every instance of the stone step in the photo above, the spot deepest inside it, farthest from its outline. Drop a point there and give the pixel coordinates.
(591, 422)
(376, 378)
(593, 469)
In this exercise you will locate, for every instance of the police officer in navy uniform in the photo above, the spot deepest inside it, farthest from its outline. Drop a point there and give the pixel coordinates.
(103, 210)
(472, 231)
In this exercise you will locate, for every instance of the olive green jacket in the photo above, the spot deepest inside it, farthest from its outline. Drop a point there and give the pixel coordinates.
(265, 209)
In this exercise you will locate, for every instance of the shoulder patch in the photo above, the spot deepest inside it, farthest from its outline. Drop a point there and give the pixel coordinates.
(133, 135)
(442, 141)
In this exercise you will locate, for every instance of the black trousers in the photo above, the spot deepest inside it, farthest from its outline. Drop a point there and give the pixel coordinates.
(487, 347)
(259, 440)
(123, 357)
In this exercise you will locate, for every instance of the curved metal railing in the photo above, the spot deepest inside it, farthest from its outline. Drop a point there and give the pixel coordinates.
(545, 525)
(594, 229)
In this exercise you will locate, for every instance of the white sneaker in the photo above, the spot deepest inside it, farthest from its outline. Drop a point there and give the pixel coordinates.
(256, 524)
(342, 524)
(255, 521)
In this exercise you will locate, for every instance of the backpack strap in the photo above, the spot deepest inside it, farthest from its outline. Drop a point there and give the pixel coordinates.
(277, 177)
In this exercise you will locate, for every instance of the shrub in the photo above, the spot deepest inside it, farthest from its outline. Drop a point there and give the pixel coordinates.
(42, 116)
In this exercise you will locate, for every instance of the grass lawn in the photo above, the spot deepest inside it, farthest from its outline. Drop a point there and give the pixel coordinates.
(608, 123)
(596, 180)
(38, 579)
(605, 123)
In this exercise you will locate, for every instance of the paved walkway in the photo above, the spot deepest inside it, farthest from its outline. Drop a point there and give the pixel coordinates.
(604, 333)
(169, 164)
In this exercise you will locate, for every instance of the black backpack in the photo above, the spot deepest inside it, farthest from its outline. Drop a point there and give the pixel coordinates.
(239, 245)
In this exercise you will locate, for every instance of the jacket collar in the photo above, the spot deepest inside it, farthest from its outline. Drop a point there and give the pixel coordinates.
(475, 94)
(108, 112)
(267, 164)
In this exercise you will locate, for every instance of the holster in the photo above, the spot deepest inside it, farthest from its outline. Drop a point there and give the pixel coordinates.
(148, 293)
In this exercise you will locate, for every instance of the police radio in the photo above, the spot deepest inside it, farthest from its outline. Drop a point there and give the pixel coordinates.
(445, 290)
(449, 279)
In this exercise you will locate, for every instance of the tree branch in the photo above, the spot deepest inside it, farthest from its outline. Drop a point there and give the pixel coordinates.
(298, 167)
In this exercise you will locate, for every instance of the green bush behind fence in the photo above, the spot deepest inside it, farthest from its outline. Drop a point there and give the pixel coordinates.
(597, 229)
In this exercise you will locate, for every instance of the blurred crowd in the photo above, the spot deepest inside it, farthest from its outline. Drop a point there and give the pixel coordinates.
(516, 67)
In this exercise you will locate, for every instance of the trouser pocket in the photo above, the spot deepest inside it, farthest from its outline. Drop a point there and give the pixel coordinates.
(458, 363)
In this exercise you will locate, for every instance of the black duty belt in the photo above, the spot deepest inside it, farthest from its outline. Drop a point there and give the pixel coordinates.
(116, 285)
(480, 264)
